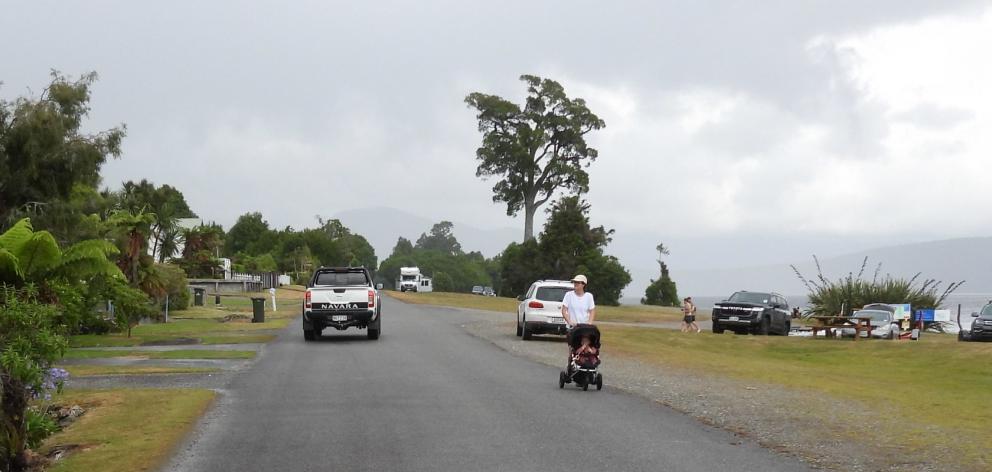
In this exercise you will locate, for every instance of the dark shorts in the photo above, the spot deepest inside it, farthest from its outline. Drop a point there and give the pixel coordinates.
(689, 319)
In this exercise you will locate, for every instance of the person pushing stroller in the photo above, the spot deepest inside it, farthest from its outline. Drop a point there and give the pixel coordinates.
(579, 310)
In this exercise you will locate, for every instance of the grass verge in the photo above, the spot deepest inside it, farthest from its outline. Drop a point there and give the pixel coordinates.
(933, 385)
(178, 354)
(91, 370)
(115, 433)
(623, 313)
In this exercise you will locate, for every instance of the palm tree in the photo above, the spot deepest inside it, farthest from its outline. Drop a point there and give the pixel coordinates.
(135, 228)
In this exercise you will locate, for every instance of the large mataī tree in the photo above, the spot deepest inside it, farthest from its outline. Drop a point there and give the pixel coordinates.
(535, 149)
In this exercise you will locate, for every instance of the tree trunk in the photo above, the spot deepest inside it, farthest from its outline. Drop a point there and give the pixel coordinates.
(13, 431)
(529, 210)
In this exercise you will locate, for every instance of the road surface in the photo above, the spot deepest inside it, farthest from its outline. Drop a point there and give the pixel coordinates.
(427, 396)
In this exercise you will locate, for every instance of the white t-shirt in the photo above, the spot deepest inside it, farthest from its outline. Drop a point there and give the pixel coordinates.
(579, 307)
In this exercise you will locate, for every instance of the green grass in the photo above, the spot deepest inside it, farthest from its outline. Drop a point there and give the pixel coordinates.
(936, 382)
(178, 354)
(115, 434)
(90, 370)
(625, 313)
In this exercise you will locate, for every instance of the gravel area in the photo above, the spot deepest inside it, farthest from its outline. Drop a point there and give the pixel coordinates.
(825, 432)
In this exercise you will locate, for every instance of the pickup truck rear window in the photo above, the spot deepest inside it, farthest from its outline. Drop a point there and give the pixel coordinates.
(341, 279)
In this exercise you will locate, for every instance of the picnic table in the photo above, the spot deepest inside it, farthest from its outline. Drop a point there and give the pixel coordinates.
(830, 323)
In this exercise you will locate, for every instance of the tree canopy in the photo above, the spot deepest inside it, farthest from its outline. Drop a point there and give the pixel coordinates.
(438, 254)
(661, 291)
(569, 245)
(534, 149)
(43, 152)
(441, 238)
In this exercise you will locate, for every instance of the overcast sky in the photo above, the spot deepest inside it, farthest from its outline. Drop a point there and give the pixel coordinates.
(830, 119)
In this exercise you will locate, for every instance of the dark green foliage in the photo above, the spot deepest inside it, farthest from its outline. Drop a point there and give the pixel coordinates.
(30, 342)
(828, 297)
(38, 426)
(438, 255)
(246, 232)
(199, 258)
(534, 149)
(175, 285)
(661, 291)
(253, 246)
(43, 153)
(167, 204)
(567, 246)
(440, 239)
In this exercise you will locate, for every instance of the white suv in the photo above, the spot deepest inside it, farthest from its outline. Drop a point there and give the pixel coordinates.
(539, 311)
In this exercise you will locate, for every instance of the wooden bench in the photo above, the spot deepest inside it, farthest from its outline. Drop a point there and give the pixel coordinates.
(830, 323)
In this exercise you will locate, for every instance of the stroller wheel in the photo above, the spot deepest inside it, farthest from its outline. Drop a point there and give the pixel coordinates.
(585, 386)
(561, 380)
(599, 381)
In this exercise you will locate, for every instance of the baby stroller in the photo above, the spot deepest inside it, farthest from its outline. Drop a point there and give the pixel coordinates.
(582, 368)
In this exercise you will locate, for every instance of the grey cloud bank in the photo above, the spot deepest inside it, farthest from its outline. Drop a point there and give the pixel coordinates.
(726, 121)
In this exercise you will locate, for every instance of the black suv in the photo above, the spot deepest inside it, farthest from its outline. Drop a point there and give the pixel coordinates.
(753, 312)
(981, 328)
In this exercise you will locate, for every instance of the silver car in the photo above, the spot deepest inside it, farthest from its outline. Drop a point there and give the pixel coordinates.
(883, 324)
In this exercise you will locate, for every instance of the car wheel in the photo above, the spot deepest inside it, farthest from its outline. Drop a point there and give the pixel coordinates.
(717, 329)
(373, 333)
(520, 329)
(599, 381)
(524, 332)
(762, 328)
(788, 327)
(561, 380)
(308, 335)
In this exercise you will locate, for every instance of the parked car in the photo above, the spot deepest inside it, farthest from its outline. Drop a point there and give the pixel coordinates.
(981, 327)
(753, 312)
(488, 291)
(341, 298)
(883, 324)
(539, 311)
(477, 290)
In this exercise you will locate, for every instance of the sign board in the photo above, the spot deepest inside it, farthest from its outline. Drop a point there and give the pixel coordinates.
(902, 311)
(942, 315)
(925, 315)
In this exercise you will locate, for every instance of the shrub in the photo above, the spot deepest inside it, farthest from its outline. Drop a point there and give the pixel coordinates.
(828, 297)
(30, 342)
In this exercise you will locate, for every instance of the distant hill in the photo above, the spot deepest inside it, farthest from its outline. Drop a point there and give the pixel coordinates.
(382, 226)
(968, 259)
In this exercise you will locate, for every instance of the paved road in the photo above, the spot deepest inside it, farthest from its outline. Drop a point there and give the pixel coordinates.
(429, 397)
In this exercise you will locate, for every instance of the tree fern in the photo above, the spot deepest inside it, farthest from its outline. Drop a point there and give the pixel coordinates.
(15, 237)
(10, 270)
(39, 254)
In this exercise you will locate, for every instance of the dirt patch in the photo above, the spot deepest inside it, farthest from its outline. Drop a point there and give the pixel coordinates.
(823, 431)
(236, 318)
(171, 342)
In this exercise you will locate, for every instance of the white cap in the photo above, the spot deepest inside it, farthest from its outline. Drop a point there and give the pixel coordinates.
(580, 278)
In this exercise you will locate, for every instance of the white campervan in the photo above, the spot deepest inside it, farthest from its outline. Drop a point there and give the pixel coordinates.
(413, 281)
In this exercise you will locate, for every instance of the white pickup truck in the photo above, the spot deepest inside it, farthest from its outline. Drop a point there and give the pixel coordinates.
(341, 298)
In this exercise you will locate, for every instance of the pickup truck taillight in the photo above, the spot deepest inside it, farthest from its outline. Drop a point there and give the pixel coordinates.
(535, 304)
(306, 300)
(371, 299)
